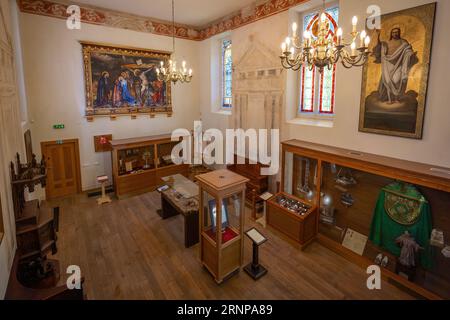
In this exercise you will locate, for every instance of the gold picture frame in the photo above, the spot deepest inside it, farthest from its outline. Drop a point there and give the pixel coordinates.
(122, 81)
(395, 79)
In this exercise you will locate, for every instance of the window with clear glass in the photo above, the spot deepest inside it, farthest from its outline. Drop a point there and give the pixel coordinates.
(317, 90)
(227, 73)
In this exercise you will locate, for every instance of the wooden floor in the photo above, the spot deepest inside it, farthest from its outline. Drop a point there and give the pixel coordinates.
(126, 251)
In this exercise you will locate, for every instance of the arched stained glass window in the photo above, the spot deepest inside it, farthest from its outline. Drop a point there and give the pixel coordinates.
(227, 72)
(317, 89)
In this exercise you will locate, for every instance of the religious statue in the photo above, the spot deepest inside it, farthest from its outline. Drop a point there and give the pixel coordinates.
(397, 57)
(409, 250)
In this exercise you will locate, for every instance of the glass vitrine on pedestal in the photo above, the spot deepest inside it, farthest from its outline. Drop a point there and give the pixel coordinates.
(222, 205)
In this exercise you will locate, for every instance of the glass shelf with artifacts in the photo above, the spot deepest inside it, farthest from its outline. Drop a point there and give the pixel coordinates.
(293, 211)
(137, 163)
(385, 211)
(222, 208)
(389, 222)
(165, 154)
(135, 160)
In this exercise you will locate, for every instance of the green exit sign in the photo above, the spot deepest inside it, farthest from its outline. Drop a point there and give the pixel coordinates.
(58, 126)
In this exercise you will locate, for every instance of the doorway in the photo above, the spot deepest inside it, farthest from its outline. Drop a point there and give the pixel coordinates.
(63, 168)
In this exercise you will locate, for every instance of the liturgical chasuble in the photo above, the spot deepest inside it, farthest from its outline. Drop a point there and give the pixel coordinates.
(401, 207)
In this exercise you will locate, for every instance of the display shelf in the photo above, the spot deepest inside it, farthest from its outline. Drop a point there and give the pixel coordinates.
(137, 164)
(361, 192)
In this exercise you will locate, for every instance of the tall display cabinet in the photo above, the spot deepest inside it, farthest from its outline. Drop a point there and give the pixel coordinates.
(363, 204)
(222, 205)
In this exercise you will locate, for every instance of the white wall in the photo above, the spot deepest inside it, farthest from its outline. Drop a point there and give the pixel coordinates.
(55, 88)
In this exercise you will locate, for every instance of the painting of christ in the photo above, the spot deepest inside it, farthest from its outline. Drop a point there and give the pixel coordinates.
(396, 77)
(124, 80)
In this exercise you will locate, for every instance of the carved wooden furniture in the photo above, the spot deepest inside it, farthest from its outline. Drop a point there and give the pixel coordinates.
(47, 289)
(345, 186)
(140, 163)
(36, 225)
(180, 199)
(257, 184)
(222, 205)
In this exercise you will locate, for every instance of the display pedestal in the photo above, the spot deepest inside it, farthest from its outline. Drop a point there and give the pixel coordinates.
(254, 269)
(104, 198)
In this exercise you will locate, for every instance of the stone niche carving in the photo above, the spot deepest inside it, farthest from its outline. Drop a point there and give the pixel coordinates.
(258, 89)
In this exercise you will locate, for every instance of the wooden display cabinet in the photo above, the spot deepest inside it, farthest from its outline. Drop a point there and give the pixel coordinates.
(345, 188)
(222, 205)
(140, 163)
(300, 227)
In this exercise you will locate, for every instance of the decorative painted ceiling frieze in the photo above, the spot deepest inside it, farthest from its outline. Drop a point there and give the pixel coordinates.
(261, 11)
(109, 18)
(143, 24)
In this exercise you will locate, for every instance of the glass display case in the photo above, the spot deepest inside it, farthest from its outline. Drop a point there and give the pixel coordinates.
(222, 205)
(140, 163)
(391, 215)
(373, 210)
(293, 211)
(300, 177)
(164, 154)
(136, 159)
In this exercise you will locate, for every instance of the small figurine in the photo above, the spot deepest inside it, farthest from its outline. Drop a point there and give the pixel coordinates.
(409, 249)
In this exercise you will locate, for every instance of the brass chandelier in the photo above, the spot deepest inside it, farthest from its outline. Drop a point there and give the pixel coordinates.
(170, 73)
(325, 49)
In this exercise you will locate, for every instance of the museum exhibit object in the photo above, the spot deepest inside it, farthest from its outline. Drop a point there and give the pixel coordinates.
(222, 205)
(373, 210)
(140, 163)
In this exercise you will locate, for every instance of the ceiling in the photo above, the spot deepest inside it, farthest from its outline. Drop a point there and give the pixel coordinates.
(196, 13)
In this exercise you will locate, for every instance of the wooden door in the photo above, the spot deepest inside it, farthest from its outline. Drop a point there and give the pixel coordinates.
(63, 168)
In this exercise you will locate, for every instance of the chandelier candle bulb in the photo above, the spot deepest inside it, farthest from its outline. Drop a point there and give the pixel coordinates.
(307, 37)
(339, 36)
(353, 47)
(367, 42)
(363, 37)
(294, 29)
(354, 23)
(283, 47)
